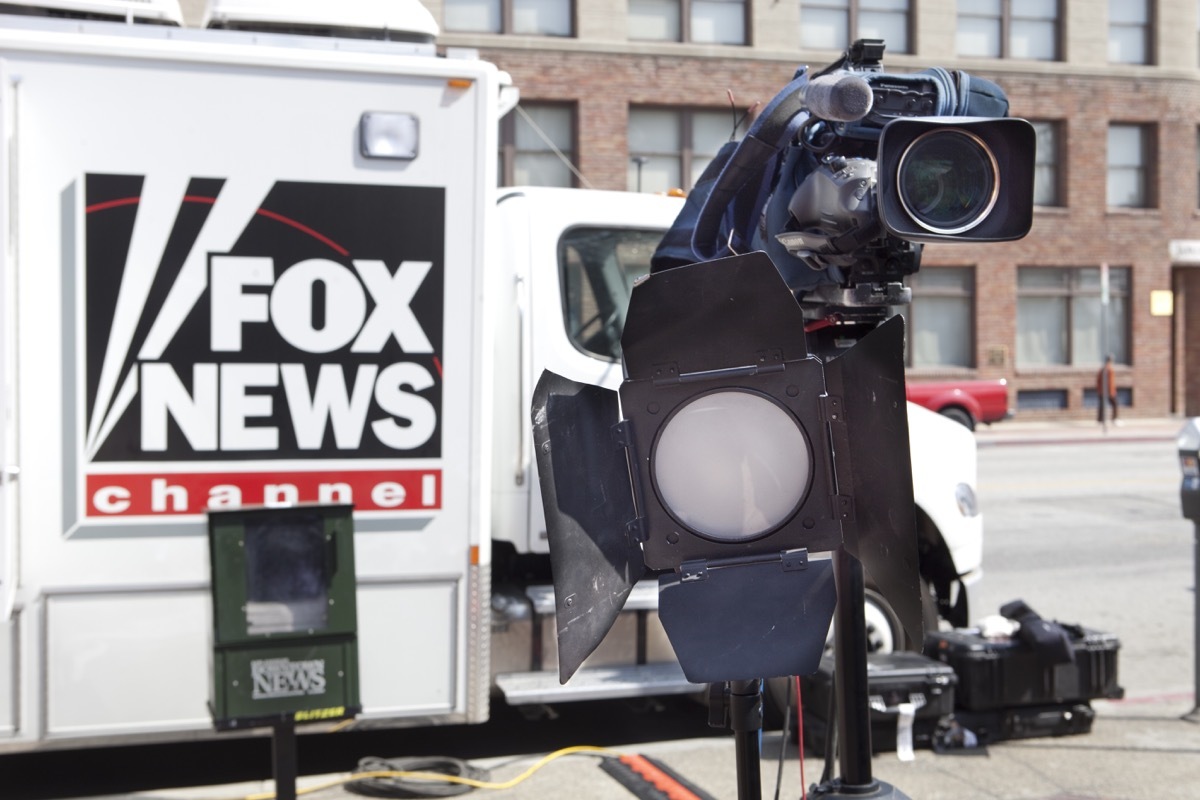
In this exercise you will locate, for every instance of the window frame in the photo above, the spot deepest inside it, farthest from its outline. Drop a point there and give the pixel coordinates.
(1148, 167)
(1059, 128)
(685, 27)
(1006, 19)
(507, 15)
(1074, 290)
(1149, 36)
(686, 152)
(852, 16)
(509, 153)
(914, 314)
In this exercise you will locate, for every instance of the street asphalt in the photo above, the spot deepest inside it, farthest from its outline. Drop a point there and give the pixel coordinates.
(1140, 748)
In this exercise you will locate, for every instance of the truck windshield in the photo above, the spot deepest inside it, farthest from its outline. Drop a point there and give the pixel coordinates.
(599, 266)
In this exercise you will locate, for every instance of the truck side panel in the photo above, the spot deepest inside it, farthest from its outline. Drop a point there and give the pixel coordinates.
(223, 302)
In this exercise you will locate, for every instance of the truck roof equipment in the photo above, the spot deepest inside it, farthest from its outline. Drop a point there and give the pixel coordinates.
(405, 21)
(150, 12)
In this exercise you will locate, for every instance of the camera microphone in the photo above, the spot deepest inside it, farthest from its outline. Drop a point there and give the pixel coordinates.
(839, 98)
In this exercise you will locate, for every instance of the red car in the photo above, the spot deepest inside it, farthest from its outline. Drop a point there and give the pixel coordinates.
(968, 401)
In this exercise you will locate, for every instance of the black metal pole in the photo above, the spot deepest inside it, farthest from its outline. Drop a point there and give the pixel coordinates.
(283, 759)
(851, 687)
(745, 717)
(1194, 714)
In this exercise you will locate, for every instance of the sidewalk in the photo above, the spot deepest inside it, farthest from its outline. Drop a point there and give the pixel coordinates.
(1136, 751)
(1017, 431)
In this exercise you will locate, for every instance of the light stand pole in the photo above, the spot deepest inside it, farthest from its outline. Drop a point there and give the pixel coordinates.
(745, 718)
(851, 689)
(850, 668)
(1194, 714)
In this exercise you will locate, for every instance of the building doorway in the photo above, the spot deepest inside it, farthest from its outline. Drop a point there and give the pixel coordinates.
(1185, 342)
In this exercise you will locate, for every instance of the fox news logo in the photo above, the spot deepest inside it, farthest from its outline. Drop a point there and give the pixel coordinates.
(316, 333)
(225, 322)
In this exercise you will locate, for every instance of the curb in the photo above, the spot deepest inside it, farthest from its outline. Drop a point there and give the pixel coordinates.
(1138, 430)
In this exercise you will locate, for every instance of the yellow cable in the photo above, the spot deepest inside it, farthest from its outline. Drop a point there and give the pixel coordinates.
(440, 777)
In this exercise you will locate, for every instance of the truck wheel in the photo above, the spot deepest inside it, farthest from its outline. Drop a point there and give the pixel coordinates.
(959, 415)
(884, 633)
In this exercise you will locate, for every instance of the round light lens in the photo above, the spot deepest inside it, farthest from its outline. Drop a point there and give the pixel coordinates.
(731, 465)
(949, 180)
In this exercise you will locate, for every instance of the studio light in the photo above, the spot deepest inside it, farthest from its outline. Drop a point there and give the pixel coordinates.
(731, 468)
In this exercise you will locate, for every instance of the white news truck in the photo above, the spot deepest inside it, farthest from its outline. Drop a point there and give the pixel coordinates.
(252, 267)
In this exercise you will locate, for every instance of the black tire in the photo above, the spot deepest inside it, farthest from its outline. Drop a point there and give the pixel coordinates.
(959, 415)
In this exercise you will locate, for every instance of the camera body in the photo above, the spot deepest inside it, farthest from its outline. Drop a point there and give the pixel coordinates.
(846, 174)
(934, 157)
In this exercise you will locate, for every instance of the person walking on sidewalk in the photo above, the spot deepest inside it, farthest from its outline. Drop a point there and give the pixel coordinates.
(1106, 390)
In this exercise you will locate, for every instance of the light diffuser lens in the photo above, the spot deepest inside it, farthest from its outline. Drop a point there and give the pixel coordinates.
(731, 465)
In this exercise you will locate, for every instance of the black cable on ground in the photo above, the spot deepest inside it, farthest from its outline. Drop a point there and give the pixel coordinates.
(410, 787)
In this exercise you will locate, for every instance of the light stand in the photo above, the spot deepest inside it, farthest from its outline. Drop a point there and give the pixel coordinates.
(851, 690)
(724, 397)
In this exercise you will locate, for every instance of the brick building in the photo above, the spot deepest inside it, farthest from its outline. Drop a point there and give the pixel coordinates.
(635, 95)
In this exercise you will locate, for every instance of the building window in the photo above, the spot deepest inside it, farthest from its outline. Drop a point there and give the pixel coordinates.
(522, 17)
(833, 24)
(1130, 166)
(1041, 399)
(1048, 165)
(669, 148)
(537, 146)
(1062, 319)
(698, 21)
(1009, 29)
(1129, 32)
(942, 318)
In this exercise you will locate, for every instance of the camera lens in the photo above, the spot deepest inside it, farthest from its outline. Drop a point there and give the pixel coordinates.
(948, 180)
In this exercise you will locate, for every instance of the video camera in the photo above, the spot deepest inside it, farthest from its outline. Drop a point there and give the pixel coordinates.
(847, 173)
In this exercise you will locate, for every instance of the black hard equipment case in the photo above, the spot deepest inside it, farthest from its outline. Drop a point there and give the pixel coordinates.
(892, 678)
(1008, 672)
(1027, 722)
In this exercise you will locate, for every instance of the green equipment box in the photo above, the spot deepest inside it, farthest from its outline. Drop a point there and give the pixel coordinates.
(285, 639)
